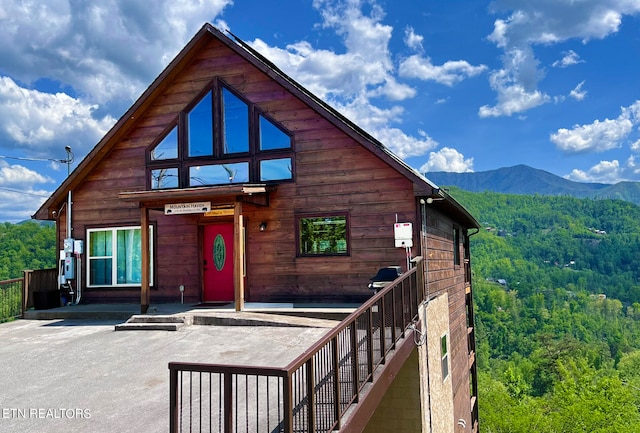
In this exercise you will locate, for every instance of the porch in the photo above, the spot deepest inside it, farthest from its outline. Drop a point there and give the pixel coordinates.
(336, 384)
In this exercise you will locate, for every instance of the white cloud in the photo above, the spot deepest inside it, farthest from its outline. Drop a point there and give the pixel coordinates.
(42, 123)
(636, 146)
(544, 22)
(364, 36)
(631, 164)
(547, 21)
(19, 205)
(447, 159)
(17, 176)
(405, 145)
(513, 96)
(577, 93)
(104, 50)
(18, 197)
(570, 58)
(393, 90)
(413, 40)
(599, 135)
(450, 73)
(349, 80)
(603, 172)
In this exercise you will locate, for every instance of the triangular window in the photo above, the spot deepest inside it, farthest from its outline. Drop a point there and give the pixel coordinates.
(271, 136)
(167, 148)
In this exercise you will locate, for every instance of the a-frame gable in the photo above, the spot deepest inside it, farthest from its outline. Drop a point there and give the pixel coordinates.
(239, 56)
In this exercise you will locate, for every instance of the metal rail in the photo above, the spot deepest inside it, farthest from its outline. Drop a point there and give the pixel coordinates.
(314, 391)
(10, 299)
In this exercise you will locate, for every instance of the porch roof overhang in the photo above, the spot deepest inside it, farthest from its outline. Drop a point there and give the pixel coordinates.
(257, 194)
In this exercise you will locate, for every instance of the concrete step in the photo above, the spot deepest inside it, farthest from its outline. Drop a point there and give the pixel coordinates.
(143, 318)
(149, 326)
(143, 322)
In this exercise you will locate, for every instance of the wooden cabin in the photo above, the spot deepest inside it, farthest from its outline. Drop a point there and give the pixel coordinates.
(252, 189)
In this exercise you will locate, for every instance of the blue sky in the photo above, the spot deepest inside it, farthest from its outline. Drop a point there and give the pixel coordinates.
(447, 85)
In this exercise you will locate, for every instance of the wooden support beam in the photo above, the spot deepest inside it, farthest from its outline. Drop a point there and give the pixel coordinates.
(238, 256)
(146, 260)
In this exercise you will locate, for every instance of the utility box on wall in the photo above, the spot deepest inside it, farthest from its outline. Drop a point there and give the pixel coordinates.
(403, 235)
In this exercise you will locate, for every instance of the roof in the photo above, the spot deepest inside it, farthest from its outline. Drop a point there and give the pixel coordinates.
(422, 186)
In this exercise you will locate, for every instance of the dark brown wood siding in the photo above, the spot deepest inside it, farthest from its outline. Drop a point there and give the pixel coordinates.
(334, 173)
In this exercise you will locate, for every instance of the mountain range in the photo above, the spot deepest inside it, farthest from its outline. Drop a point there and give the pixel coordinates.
(525, 180)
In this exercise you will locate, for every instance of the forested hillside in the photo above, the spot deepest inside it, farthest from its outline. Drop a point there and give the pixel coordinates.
(26, 246)
(557, 297)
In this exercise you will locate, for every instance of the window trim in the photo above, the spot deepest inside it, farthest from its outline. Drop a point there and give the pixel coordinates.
(301, 216)
(444, 357)
(456, 246)
(114, 258)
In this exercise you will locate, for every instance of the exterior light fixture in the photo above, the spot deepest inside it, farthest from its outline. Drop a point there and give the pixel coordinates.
(263, 226)
(69, 159)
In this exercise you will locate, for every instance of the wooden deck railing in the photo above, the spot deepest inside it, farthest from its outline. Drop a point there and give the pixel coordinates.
(19, 294)
(10, 299)
(313, 392)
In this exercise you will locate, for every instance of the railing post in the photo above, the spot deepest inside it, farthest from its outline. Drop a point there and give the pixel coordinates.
(393, 316)
(287, 396)
(336, 381)
(370, 345)
(383, 331)
(173, 400)
(413, 296)
(403, 304)
(26, 278)
(355, 367)
(311, 400)
(228, 402)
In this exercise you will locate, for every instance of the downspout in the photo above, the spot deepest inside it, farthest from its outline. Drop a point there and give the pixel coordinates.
(69, 215)
(69, 236)
(78, 265)
(425, 254)
(71, 253)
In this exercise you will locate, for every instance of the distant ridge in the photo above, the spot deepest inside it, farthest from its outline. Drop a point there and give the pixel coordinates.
(525, 180)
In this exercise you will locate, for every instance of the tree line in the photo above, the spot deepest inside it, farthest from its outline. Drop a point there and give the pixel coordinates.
(28, 245)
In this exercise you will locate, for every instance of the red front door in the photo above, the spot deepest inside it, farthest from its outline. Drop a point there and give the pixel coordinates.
(218, 263)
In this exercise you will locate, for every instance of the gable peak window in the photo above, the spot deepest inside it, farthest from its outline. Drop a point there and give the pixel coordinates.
(221, 138)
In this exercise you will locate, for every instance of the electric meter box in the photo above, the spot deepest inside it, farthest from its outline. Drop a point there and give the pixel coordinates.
(68, 245)
(78, 246)
(403, 234)
(70, 268)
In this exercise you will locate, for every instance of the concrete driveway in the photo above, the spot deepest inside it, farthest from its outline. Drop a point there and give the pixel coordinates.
(82, 376)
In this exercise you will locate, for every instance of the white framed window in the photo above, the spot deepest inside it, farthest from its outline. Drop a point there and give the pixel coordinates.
(114, 257)
(444, 361)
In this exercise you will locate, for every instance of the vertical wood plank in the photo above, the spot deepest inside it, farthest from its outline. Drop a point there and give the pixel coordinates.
(238, 256)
